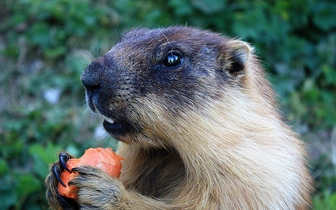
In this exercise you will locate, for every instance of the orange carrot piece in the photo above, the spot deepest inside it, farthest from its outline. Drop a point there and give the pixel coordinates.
(104, 159)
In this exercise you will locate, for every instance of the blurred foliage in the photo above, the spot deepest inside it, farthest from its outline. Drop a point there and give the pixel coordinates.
(45, 45)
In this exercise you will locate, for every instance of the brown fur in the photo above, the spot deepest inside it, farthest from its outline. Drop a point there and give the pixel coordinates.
(204, 135)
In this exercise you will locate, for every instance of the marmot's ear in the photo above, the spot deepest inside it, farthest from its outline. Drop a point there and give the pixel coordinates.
(234, 57)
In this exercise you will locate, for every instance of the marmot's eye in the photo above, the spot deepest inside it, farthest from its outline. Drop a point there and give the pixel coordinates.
(172, 59)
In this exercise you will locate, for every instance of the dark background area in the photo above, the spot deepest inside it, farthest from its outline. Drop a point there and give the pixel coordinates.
(45, 45)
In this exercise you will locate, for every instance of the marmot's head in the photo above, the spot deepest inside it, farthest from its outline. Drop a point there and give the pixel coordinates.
(152, 77)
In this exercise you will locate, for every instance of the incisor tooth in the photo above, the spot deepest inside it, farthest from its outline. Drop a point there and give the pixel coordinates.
(109, 120)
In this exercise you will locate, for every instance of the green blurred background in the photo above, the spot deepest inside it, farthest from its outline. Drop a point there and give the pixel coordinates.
(46, 44)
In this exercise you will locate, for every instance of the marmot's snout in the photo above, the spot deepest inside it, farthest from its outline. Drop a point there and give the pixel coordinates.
(102, 96)
(92, 83)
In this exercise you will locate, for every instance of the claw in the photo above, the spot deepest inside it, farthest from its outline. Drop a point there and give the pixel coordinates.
(67, 203)
(75, 169)
(63, 158)
(56, 171)
(83, 170)
(61, 200)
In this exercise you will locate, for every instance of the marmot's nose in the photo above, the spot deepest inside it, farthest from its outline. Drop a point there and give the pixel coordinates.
(90, 85)
(91, 76)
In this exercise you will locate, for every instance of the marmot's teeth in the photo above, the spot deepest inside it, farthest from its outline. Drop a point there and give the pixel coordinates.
(109, 120)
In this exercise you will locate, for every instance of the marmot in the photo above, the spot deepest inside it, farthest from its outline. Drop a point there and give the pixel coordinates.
(197, 124)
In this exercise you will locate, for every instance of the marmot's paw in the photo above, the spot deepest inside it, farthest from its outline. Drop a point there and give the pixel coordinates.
(96, 189)
(55, 200)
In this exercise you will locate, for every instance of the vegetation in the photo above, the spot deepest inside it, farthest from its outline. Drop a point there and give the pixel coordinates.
(45, 45)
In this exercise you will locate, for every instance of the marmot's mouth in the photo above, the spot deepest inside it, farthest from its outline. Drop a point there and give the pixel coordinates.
(117, 128)
(111, 126)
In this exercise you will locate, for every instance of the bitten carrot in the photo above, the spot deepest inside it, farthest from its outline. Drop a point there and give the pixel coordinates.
(104, 159)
